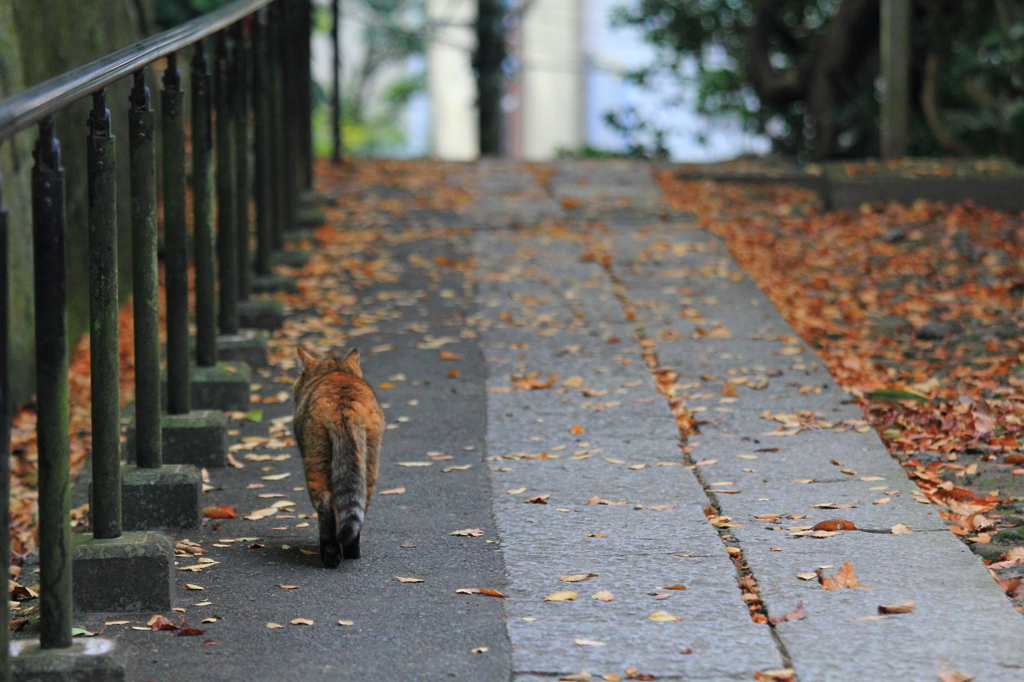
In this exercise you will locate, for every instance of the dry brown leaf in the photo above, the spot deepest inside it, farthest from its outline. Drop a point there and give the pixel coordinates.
(954, 676)
(900, 528)
(905, 607)
(729, 390)
(301, 621)
(844, 578)
(537, 499)
(577, 429)
(799, 613)
(834, 524)
(222, 511)
(778, 675)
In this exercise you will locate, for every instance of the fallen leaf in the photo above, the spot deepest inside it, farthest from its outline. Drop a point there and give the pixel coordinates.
(834, 524)
(729, 390)
(462, 467)
(587, 642)
(577, 429)
(577, 577)
(468, 532)
(414, 464)
(599, 500)
(288, 587)
(954, 676)
(301, 621)
(479, 650)
(905, 607)
(274, 626)
(403, 579)
(159, 622)
(799, 613)
(900, 528)
(492, 593)
(221, 511)
(807, 576)
(603, 595)
(445, 355)
(778, 675)
(662, 616)
(677, 586)
(190, 586)
(516, 491)
(538, 499)
(561, 595)
(346, 622)
(261, 513)
(276, 477)
(662, 507)
(843, 579)
(392, 491)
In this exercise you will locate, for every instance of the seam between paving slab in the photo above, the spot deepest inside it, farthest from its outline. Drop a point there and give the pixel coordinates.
(747, 583)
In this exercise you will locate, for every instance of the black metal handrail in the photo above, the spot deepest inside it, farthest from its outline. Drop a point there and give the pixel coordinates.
(43, 100)
(256, 79)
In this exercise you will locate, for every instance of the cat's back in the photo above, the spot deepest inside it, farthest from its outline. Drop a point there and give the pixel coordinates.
(338, 395)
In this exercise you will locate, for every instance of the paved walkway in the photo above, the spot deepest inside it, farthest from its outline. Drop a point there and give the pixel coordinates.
(516, 367)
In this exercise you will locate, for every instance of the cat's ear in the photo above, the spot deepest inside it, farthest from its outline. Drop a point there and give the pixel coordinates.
(305, 359)
(352, 360)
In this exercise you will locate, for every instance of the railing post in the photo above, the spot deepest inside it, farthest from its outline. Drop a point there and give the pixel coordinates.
(202, 207)
(278, 127)
(336, 111)
(5, 437)
(179, 398)
(305, 28)
(292, 114)
(52, 392)
(263, 142)
(227, 251)
(103, 349)
(141, 122)
(243, 189)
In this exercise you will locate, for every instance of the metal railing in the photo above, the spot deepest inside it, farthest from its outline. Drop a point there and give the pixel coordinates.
(259, 93)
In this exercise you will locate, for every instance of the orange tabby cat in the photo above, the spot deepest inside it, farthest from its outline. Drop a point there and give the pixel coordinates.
(338, 425)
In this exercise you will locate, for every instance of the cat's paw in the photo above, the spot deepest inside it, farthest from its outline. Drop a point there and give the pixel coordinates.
(331, 554)
(352, 549)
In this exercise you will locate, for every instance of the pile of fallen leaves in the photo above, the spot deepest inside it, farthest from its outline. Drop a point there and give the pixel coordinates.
(917, 312)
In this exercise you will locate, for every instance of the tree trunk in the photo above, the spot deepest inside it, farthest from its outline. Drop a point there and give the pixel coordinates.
(487, 61)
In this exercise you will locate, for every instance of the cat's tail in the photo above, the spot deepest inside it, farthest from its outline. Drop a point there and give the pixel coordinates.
(348, 484)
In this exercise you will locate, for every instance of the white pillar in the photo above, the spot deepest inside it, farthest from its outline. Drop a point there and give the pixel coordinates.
(451, 84)
(552, 79)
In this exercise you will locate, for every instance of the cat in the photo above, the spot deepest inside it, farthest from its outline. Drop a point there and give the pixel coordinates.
(338, 426)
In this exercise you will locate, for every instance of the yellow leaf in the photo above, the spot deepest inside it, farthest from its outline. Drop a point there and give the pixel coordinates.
(900, 528)
(301, 621)
(403, 579)
(580, 641)
(414, 464)
(603, 595)
(385, 384)
(577, 577)
(574, 381)
(276, 477)
(261, 513)
(346, 622)
(392, 491)
(274, 626)
(662, 616)
(561, 595)
(516, 491)
(747, 456)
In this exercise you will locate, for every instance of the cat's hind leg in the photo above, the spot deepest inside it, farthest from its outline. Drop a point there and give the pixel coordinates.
(330, 549)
